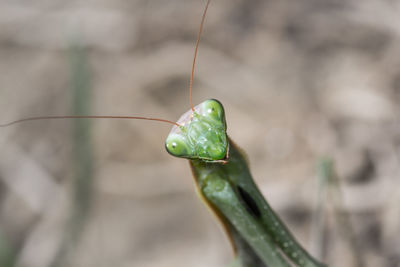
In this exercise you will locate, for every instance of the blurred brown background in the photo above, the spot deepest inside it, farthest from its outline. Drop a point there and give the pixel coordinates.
(299, 80)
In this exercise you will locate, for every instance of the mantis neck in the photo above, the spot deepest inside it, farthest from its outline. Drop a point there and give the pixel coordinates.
(251, 224)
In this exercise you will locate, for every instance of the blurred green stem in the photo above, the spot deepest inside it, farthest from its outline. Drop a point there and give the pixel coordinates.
(329, 182)
(82, 152)
(7, 256)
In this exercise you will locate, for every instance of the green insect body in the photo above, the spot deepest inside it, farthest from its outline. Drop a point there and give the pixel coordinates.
(224, 181)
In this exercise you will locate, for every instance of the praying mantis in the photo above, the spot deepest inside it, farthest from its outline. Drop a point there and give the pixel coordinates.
(224, 182)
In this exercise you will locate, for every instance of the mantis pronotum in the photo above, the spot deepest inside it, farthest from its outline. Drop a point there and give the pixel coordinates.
(223, 180)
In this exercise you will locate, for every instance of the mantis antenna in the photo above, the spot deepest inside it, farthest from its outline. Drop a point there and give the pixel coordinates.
(126, 117)
(195, 54)
(86, 117)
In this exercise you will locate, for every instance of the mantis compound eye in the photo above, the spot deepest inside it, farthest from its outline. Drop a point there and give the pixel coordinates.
(213, 109)
(176, 145)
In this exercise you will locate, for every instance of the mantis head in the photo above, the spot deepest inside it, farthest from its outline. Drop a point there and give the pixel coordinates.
(201, 134)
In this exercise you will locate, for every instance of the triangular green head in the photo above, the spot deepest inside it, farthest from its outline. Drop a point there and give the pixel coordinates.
(201, 134)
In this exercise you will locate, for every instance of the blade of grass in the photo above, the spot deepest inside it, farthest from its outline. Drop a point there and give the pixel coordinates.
(329, 190)
(343, 217)
(318, 217)
(7, 254)
(82, 152)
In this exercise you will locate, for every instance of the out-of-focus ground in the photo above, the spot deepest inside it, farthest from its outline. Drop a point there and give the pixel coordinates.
(298, 79)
